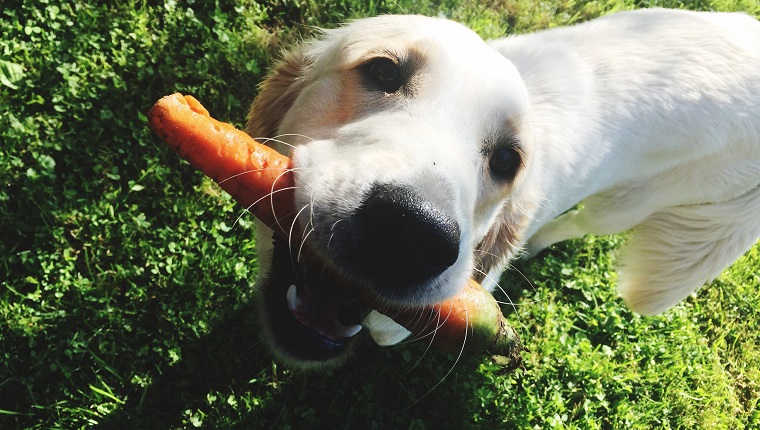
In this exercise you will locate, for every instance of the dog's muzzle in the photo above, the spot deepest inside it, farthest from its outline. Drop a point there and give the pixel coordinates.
(392, 247)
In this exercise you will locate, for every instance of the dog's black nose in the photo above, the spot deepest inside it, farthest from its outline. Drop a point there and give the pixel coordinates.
(403, 238)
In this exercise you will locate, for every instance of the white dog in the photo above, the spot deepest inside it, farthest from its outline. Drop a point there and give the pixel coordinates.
(425, 156)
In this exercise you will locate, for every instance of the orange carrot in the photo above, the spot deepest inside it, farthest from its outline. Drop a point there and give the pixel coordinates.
(469, 323)
(255, 175)
(260, 179)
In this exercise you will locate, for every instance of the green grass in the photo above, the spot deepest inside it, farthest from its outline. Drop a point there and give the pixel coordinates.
(126, 276)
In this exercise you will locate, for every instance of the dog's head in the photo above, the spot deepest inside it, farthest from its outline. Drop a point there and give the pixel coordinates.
(411, 145)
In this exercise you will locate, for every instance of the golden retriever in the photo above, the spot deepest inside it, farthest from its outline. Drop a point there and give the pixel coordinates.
(424, 156)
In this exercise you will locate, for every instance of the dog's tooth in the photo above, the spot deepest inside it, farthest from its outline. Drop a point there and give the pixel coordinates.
(384, 330)
(292, 298)
(351, 330)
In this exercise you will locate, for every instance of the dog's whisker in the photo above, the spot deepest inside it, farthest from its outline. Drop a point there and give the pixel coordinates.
(246, 172)
(270, 194)
(451, 369)
(303, 242)
(278, 139)
(419, 320)
(428, 347)
(309, 225)
(253, 347)
(513, 267)
(292, 227)
(247, 209)
(274, 210)
(332, 232)
(509, 301)
(312, 200)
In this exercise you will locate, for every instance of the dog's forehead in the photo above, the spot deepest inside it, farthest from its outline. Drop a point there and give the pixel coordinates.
(398, 33)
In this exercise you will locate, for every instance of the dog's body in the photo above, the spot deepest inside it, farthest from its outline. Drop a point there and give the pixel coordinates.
(413, 132)
(651, 120)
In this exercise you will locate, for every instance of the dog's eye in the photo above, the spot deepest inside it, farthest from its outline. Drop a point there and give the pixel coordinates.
(504, 162)
(385, 74)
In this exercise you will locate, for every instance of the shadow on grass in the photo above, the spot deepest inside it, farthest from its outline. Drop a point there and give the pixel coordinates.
(226, 357)
(388, 387)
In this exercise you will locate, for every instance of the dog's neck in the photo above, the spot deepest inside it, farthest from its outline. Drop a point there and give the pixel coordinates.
(559, 95)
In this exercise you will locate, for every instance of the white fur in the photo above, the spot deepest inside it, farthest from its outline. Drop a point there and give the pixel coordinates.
(654, 124)
(649, 119)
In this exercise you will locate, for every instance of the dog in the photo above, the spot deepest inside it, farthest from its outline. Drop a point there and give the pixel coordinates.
(424, 156)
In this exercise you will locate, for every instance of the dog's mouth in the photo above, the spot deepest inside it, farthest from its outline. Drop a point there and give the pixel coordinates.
(392, 253)
(312, 311)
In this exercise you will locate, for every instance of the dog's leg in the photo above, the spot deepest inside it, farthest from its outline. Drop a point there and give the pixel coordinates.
(606, 213)
(491, 279)
(677, 250)
(566, 226)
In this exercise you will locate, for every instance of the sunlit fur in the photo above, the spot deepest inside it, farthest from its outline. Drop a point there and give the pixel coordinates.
(646, 120)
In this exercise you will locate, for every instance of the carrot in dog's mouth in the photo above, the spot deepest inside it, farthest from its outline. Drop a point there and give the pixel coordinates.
(313, 310)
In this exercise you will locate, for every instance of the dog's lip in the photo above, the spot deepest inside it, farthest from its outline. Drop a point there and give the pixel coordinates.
(311, 315)
(320, 316)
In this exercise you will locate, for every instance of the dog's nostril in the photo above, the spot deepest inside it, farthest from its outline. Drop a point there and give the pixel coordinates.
(405, 237)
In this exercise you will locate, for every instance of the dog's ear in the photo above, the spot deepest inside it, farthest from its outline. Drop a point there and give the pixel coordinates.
(277, 93)
(502, 242)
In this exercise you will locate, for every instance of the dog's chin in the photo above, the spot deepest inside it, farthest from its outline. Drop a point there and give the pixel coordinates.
(311, 315)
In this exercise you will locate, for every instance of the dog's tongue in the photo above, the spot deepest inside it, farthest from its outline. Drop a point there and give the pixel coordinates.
(323, 316)
(319, 315)
(319, 304)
